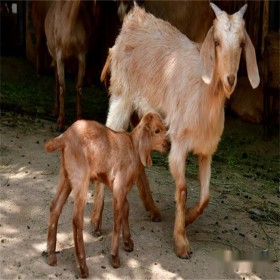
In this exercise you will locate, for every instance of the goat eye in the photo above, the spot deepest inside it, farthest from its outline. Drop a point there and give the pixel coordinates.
(217, 43)
(157, 131)
(242, 44)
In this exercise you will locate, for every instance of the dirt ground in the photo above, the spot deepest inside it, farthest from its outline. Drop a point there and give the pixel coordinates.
(242, 217)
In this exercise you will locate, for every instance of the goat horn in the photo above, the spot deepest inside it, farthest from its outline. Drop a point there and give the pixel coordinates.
(242, 11)
(216, 9)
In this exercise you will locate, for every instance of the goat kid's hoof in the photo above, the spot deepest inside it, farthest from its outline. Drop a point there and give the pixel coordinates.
(84, 271)
(156, 217)
(128, 246)
(52, 260)
(96, 233)
(116, 261)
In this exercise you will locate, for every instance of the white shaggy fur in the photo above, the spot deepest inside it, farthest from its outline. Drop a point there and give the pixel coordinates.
(154, 67)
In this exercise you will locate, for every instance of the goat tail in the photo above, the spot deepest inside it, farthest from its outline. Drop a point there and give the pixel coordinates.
(54, 144)
(105, 74)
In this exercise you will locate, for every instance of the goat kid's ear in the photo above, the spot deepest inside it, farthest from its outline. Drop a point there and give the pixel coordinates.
(145, 147)
(251, 62)
(207, 56)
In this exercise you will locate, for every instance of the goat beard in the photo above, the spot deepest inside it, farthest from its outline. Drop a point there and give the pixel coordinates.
(228, 90)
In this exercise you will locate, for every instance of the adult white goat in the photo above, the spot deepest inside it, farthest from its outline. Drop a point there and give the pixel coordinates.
(154, 67)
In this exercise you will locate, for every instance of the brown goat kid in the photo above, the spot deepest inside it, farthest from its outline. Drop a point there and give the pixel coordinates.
(92, 152)
(67, 27)
(155, 68)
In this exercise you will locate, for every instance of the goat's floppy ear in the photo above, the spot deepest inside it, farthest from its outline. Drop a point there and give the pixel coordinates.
(145, 146)
(207, 57)
(251, 62)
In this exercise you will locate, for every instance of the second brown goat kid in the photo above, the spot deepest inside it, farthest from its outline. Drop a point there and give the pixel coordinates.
(92, 152)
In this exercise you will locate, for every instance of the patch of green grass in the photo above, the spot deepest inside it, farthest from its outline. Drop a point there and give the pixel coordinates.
(23, 91)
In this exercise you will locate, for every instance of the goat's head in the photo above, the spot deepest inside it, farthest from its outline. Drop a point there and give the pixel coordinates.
(153, 137)
(222, 47)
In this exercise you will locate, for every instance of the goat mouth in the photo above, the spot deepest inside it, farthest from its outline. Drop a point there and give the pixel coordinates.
(228, 89)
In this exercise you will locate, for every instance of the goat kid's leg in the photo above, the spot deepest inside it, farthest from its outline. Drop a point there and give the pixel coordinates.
(146, 196)
(177, 159)
(80, 81)
(127, 241)
(143, 185)
(61, 82)
(119, 198)
(98, 205)
(204, 177)
(78, 222)
(57, 204)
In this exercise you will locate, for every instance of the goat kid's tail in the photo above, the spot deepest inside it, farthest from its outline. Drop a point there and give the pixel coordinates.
(54, 144)
(105, 74)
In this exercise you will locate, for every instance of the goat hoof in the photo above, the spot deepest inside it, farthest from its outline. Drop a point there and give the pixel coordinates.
(129, 245)
(184, 252)
(116, 261)
(96, 233)
(84, 271)
(52, 260)
(156, 217)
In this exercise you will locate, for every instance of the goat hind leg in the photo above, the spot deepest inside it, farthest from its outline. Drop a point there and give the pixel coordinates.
(61, 81)
(57, 204)
(80, 80)
(204, 177)
(78, 222)
(119, 198)
(127, 241)
(55, 110)
(98, 205)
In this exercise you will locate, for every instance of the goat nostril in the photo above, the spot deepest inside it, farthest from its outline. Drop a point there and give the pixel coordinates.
(231, 79)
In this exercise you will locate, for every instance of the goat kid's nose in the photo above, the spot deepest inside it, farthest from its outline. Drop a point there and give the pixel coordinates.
(231, 79)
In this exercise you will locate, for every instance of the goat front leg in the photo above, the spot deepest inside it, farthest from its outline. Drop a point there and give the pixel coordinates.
(98, 205)
(61, 83)
(146, 196)
(143, 185)
(177, 159)
(78, 222)
(57, 204)
(127, 241)
(204, 177)
(80, 81)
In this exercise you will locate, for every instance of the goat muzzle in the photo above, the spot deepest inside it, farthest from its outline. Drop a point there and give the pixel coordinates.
(231, 79)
